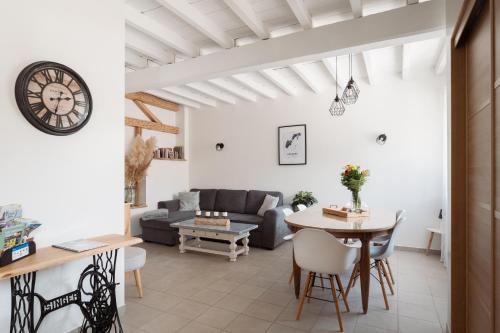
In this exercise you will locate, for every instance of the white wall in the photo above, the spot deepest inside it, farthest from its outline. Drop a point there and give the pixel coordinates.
(165, 178)
(72, 184)
(406, 172)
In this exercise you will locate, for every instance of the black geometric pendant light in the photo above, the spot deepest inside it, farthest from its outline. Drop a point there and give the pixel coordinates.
(337, 107)
(351, 91)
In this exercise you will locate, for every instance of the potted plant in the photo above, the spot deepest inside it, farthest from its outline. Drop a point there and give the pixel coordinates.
(305, 198)
(354, 178)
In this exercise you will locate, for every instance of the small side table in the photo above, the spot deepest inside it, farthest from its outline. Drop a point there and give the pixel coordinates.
(431, 236)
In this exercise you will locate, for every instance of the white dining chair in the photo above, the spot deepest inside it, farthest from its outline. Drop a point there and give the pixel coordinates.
(135, 259)
(380, 240)
(379, 254)
(319, 252)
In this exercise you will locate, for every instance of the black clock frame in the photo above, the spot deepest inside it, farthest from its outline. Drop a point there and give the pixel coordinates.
(21, 89)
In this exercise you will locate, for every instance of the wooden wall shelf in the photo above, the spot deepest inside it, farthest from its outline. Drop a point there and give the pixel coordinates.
(138, 206)
(170, 159)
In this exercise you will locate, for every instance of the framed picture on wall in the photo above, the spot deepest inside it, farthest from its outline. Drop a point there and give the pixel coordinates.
(292, 145)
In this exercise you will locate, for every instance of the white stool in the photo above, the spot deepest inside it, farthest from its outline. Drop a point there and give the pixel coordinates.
(431, 236)
(135, 259)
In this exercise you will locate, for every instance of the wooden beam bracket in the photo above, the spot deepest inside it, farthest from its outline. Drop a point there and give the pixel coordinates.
(149, 125)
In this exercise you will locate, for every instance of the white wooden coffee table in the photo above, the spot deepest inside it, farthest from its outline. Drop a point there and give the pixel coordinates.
(232, 233)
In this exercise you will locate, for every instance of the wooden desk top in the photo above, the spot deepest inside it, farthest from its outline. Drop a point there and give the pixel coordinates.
(47, 257)
(313, 217)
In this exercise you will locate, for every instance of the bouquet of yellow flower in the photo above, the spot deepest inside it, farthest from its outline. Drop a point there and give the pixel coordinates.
(354, 178)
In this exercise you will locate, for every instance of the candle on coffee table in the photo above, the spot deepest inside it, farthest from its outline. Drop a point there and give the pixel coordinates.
(224, 214)
(207, 214)
(216, 214)
(198, 213)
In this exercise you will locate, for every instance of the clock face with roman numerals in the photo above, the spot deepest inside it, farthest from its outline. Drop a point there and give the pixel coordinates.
(53, 98)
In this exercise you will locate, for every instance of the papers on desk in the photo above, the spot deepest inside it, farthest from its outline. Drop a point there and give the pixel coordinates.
(80, 245)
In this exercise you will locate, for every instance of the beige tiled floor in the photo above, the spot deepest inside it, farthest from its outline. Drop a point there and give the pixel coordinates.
(199, 293)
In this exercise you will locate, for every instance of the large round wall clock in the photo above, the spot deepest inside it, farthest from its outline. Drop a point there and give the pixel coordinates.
(53, 98)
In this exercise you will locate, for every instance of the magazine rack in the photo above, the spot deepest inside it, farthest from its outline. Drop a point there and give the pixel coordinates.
(17, 252)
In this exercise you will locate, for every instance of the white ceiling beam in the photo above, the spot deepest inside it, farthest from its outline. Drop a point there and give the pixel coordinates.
(174, 98)
(136, 42)
(158, 31)
(367, 60)
(441, 60)
(199, 21)
(245, 12)
(357, 8)
(411, 2)
(134, 60)
(340, 78)
(209, 90)
(234, 89)
(183, 92)
(307, 77)
(279, 80)
(395, 27)
(250, 82)
(301, 12)
(405, 61)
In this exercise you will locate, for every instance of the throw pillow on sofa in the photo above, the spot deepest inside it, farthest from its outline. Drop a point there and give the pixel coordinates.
(270, 202)
(189, 201)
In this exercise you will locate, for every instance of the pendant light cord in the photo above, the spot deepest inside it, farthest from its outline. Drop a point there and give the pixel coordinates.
(336, 80)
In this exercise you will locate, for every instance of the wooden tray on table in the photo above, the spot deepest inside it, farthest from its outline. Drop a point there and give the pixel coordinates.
(344, 212)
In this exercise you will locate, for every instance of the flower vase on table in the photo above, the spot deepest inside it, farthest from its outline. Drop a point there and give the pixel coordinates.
(130, 194)
(354, 178)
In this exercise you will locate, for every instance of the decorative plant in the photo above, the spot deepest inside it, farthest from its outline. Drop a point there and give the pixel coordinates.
(354, 178)
(138, 159)
(304, 198)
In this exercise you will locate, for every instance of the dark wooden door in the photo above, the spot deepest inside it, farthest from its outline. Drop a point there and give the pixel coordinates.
(475, 266)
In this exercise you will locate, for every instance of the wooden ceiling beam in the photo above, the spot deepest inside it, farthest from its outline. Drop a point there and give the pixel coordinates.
(147, 112)
(153, 100)
(174, 98)
(307, 77)
(135, 41)
(210, 90)
(301, 12)
(186, 93)
(149, 125)
(279, 80)
(357, 8)
(245, 12)
(199, 21)
(160, 32)
(395, 27)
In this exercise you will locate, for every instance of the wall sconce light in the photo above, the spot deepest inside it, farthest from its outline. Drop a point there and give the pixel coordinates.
(219, 146)
(382, 139)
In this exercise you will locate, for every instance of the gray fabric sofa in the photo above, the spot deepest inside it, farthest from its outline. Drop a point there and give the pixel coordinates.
(242, 207)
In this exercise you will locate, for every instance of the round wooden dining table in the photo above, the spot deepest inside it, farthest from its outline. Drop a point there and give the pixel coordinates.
(379, 223)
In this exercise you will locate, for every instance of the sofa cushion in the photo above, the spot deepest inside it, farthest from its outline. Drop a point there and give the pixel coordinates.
(256, 198)
(246, 218)
(270, 202)
(164, 223)
(207, 198)
(233, 201)
(189, 200)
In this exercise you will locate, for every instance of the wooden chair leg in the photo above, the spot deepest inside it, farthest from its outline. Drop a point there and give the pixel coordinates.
(381, 280)
(303, 297)
(138, 282)
(291, 278)
(351, 280)
(321, 281)
(344, 296)
(336, 301)
(356, 276)
(386, 277)
(390, 270)
(429, 244)
(311, 288)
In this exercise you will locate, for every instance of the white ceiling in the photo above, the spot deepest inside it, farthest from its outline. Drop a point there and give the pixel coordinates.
(279, 19)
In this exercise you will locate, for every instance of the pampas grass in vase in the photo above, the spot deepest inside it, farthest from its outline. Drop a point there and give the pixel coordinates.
(137, 162)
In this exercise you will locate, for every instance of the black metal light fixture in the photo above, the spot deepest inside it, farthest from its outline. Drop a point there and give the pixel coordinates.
(382, 139)
(337, 107)
(219, 146)
(351, 91)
